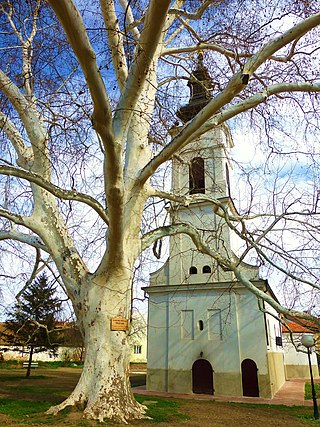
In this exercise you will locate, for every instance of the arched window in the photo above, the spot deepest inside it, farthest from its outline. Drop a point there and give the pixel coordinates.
(200, 324)
(193, 270)
(206, 269)
(196, 176)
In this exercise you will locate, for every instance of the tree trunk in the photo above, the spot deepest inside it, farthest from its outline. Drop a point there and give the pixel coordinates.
(29, 362)
(104, 389)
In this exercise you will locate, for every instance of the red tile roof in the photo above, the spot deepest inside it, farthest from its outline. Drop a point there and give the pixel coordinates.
(71, 336)
(301, 326)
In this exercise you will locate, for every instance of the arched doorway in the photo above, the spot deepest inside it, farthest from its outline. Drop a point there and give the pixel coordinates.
(250, 385)
(202, 377)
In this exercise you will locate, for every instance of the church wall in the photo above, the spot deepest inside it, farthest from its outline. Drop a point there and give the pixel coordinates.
(161, 276)
(227, 384)
(241, 336)
(157, 352)
(157, 379)
(217, 342)
(301, 371)
(251, 329)
(274, 330)
(253, 345)
(276, 370)
(275, 350)
(210, 342)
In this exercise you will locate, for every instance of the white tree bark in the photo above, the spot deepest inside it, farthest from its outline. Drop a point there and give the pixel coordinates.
(104, 388)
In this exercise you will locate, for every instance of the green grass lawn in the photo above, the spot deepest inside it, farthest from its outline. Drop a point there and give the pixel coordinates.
(18, 409)
(27, 400)
(162, 410)
(159, 410)
(308, 391)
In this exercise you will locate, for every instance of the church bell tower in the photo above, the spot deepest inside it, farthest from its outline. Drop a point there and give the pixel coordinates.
(203, 324)
(200, 168)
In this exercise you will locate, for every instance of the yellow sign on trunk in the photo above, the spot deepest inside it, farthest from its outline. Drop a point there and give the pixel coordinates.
(119, 324)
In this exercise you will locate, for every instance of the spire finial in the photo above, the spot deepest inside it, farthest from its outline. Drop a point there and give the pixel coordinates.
(200, 57)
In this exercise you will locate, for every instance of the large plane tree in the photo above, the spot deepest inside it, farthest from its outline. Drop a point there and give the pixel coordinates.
(88, 94)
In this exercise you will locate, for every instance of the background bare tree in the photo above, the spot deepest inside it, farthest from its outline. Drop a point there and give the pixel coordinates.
(88, 96)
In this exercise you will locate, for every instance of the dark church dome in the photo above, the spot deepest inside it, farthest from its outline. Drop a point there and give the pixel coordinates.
(200, 84)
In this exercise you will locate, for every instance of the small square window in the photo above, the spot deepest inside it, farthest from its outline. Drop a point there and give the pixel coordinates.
(137, 349)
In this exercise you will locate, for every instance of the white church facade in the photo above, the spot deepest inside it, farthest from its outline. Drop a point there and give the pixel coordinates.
(206, 331)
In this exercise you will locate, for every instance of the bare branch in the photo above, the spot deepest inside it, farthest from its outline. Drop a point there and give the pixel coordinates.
(13, 217)
(195, 127)
(270, 300)
(255, 100)
(74, 28)
(276, 44)
(148, 45)
(30, 240)
(25, 154)
(130, 19)
(227, 52)
(199, 12)
(185, 200)
(33, 125)
(204, 46)
(56, 191)
(115, 39)
(33, 274)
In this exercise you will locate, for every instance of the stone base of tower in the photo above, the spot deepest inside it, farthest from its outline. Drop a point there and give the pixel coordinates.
(224, 384)
(174, 381)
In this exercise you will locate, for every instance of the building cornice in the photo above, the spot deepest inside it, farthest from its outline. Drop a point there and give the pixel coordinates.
(203, 287)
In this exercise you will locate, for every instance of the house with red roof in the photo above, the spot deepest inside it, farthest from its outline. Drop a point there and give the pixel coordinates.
(295, 354)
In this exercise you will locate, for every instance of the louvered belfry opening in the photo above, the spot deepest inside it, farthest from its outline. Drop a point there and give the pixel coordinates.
(196, 176)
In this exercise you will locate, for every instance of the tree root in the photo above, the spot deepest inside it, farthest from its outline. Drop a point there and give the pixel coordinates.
(69, 402)
(101, 410)
(114, 414)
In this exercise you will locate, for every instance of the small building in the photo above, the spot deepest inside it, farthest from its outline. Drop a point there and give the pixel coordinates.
(71, 346)
(138, 338)
(207, 333)
(295, 355)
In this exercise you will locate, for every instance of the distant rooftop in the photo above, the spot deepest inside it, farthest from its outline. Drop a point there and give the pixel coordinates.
(301, 326)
